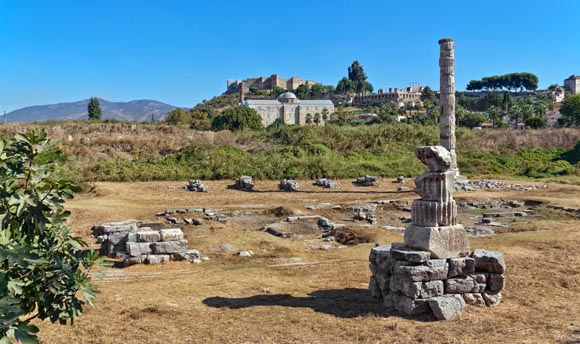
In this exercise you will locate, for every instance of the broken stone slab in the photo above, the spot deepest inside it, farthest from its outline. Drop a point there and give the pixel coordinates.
(435, 269)
(489, 261)
(409, 306)
(135, 249)
(168, 247)
(400, 251)
(442, 242)
(171, 234)
(496, 282)
(246, 253)
(461, 266)
(474, 299)
(491, 298)
(288, 185)
(276, 229)
(447, 307)
(394, 228)
(192, 256)
(156, 259)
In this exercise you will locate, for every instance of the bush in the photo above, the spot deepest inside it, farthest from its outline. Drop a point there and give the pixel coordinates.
(238, 118)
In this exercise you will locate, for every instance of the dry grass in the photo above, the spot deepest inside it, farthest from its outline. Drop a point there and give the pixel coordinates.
(288, 293)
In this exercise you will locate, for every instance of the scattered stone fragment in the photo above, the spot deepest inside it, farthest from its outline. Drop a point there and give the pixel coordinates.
(400, 179)
(491, 298)
(288, 185)
(325, 183)
(474, 299)
(246, 253)
(195, 185)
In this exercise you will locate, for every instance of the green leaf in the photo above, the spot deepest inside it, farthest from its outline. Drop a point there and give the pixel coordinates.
(26, 334)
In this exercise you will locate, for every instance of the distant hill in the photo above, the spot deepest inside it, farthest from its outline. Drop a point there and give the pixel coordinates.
(135, 110)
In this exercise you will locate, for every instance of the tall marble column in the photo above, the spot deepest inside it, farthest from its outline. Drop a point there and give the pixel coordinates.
(447, 98)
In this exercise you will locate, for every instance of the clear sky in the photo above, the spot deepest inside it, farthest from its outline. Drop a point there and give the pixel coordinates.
(183, 51)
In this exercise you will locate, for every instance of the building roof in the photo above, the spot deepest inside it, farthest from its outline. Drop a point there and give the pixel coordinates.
(572, 77)
(261, 102)
(316, 102)
(287, 95)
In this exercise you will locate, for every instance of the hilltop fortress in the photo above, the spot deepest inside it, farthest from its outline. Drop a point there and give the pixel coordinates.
(267, 83)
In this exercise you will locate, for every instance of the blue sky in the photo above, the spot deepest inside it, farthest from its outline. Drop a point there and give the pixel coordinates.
(180, 52)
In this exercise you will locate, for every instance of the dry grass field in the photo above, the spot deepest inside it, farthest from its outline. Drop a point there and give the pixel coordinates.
(290, 292)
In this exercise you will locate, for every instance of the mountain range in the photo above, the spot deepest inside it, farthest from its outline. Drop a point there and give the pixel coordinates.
(135, 110)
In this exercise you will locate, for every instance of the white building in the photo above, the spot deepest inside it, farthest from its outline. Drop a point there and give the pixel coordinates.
(289, 109)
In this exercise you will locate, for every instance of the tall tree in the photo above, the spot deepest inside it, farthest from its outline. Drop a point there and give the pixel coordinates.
(94, 109)
(427, 94)
(357, 74)
(345, 85)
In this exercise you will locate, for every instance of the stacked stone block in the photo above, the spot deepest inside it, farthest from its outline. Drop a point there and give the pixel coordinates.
(138, 245)
(244, 183)
(367, 181)
(414, 283)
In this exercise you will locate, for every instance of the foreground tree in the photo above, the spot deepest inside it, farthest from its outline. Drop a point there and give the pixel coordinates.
(570, 110)
(238, 118)
(94, 109)
(43, 267)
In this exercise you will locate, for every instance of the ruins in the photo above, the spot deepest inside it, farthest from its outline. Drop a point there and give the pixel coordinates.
(434, 271)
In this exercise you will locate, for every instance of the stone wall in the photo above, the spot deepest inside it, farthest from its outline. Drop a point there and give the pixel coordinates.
(412, 283)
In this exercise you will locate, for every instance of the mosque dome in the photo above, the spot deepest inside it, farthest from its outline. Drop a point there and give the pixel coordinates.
(288, 97)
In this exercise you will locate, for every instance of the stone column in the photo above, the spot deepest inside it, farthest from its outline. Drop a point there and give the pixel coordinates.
(447, 98)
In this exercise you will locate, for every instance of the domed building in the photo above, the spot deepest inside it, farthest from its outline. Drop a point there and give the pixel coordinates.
(288, 109)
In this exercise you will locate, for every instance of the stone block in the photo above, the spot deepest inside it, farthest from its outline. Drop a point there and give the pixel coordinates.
(446, 307)
(132, 237)
(460, 285)
(135, 249)
(128, 261)
(116, 237)
(192, 256)
(496, 282)
(474, 299)
(442, 242)
(171, 234)
(435, 269)
(374, 289)
(491, 298)
(148, 236)
(410, 255)
(489, 261)
(156, 259)
(409, 306)
(461, 266)
(169, 247)
(422, 290)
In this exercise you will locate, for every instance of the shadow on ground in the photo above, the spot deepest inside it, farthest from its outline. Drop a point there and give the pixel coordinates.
(343, 303)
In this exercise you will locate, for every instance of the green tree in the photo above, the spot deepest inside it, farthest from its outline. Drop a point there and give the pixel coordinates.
(536, 122)
(277, 90)
(43, 267)
(570, 110)
(494, 113)
(177, 116)
(238, 118)
(345, 85)
(308, 118)
(473, 119)
(317, 118)
(302, 92)
(325, 115)
(357, 74)
(427, 94)
(94, 109)
(368, 87)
